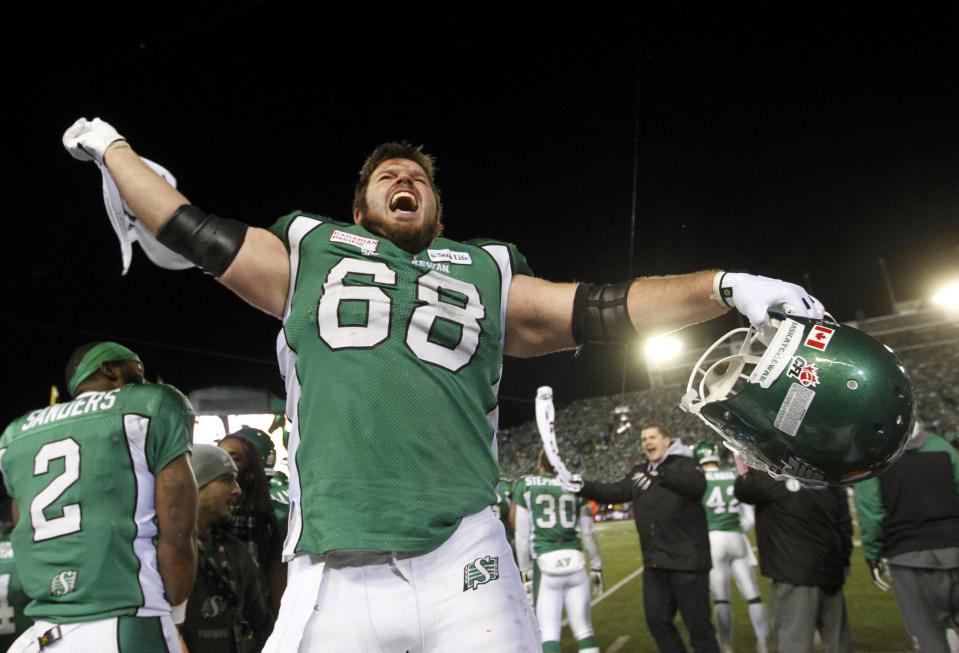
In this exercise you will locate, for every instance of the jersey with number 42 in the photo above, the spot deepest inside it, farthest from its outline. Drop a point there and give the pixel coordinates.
(721, 506)
(392, 364)
(554, 513)
(82, 475)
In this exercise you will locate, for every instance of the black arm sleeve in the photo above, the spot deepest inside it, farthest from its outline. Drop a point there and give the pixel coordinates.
(684, 478)
(756, 487)
(619, 492)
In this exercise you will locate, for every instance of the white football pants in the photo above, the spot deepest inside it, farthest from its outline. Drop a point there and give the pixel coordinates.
(731, 556)
(437, 601)
(112, 635)
(555, 591)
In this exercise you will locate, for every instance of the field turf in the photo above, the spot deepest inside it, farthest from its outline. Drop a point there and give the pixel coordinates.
(620, 626)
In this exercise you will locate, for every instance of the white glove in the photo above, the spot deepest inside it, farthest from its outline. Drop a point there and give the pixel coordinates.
(89, 140)
(596, 581)
(573, 484)
(753, 296)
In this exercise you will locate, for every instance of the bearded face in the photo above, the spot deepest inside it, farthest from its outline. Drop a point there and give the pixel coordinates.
(401, 205)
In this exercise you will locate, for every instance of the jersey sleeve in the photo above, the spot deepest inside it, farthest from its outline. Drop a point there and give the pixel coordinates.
(171, 427)
(281, 228)
(516, 258)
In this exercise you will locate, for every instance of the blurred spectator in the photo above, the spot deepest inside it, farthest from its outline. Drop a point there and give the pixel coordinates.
(805, 539)
(226, 612)
(909, 519)
(666, 493)
(254, 519)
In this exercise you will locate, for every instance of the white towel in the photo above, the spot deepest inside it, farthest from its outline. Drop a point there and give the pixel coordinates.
(129, 229)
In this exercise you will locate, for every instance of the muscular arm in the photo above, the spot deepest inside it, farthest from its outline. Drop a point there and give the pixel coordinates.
(539, 313)
(176, 497)
(260, 273)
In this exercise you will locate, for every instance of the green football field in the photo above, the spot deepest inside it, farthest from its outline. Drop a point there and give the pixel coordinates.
(620, 626)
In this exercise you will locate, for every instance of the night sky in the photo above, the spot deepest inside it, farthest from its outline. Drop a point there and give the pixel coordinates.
(804, 148)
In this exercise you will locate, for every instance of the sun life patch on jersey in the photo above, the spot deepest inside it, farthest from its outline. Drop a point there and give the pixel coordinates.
(479, 572)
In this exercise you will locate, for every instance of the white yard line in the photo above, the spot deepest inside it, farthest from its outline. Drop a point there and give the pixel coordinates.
(618, 644)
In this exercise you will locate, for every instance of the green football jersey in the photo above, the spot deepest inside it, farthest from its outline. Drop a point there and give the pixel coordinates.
(719, 502)
(82, 474)
(392, 364)
(554, 514)
(13, 600)
(504, 497)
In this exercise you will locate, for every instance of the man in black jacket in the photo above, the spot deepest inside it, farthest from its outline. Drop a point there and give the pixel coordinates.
(666, 493)
(805, 539)
(909, 517)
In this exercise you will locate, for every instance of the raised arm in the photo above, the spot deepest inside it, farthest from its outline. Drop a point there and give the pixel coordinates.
(176, 497)
(543, 316)
(256, 264)
(540, 313)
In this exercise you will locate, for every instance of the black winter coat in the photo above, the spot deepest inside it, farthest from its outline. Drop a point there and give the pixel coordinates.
(669, 515)
(804, 535)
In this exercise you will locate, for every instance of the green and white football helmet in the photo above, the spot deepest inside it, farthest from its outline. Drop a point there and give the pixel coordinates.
(823, 403)
(706, 452)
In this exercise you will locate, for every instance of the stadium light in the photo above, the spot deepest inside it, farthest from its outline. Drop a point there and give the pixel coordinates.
(947, 296)
(662, 349)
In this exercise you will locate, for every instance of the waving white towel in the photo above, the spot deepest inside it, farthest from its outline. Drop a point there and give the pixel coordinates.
(129, 229)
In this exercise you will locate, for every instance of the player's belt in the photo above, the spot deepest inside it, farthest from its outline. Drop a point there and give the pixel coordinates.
(49, 637)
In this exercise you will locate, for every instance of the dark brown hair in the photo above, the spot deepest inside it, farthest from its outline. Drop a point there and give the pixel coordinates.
(396, 150)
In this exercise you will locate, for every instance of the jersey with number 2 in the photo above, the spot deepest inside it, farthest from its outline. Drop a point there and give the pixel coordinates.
(82, 474)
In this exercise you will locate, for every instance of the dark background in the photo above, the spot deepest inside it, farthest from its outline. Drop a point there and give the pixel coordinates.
(804, 147)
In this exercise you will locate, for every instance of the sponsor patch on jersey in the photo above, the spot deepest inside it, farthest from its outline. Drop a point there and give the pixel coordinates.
(819, 337)
(367, 246)
(430, 265)
(793, 409)
(780, 350)
(460, 258)
(479, 572)
(805, 372)
(6, 550)
(64, 582)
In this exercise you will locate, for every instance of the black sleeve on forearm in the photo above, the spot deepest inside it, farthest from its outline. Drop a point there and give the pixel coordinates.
(685, 478)
(755, 487)
(619, 492)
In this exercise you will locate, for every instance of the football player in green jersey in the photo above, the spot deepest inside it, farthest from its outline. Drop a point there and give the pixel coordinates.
(13, 600)
(504, 500)
(391, 348)
(105, 504)
(731, 553)
(552, 527)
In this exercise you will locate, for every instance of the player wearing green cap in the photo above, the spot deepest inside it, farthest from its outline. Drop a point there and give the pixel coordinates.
(105, 504)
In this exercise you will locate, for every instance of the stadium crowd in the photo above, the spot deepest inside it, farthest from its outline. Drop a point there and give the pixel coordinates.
(588, 430)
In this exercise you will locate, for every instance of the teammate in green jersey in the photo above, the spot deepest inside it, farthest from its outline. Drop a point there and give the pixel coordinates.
(732, 555)
(504, 500)
(391, 349)
(13, 600)
(105, 504)
(552, 527)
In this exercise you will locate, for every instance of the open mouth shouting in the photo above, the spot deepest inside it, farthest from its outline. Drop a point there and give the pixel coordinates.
(404, 201)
